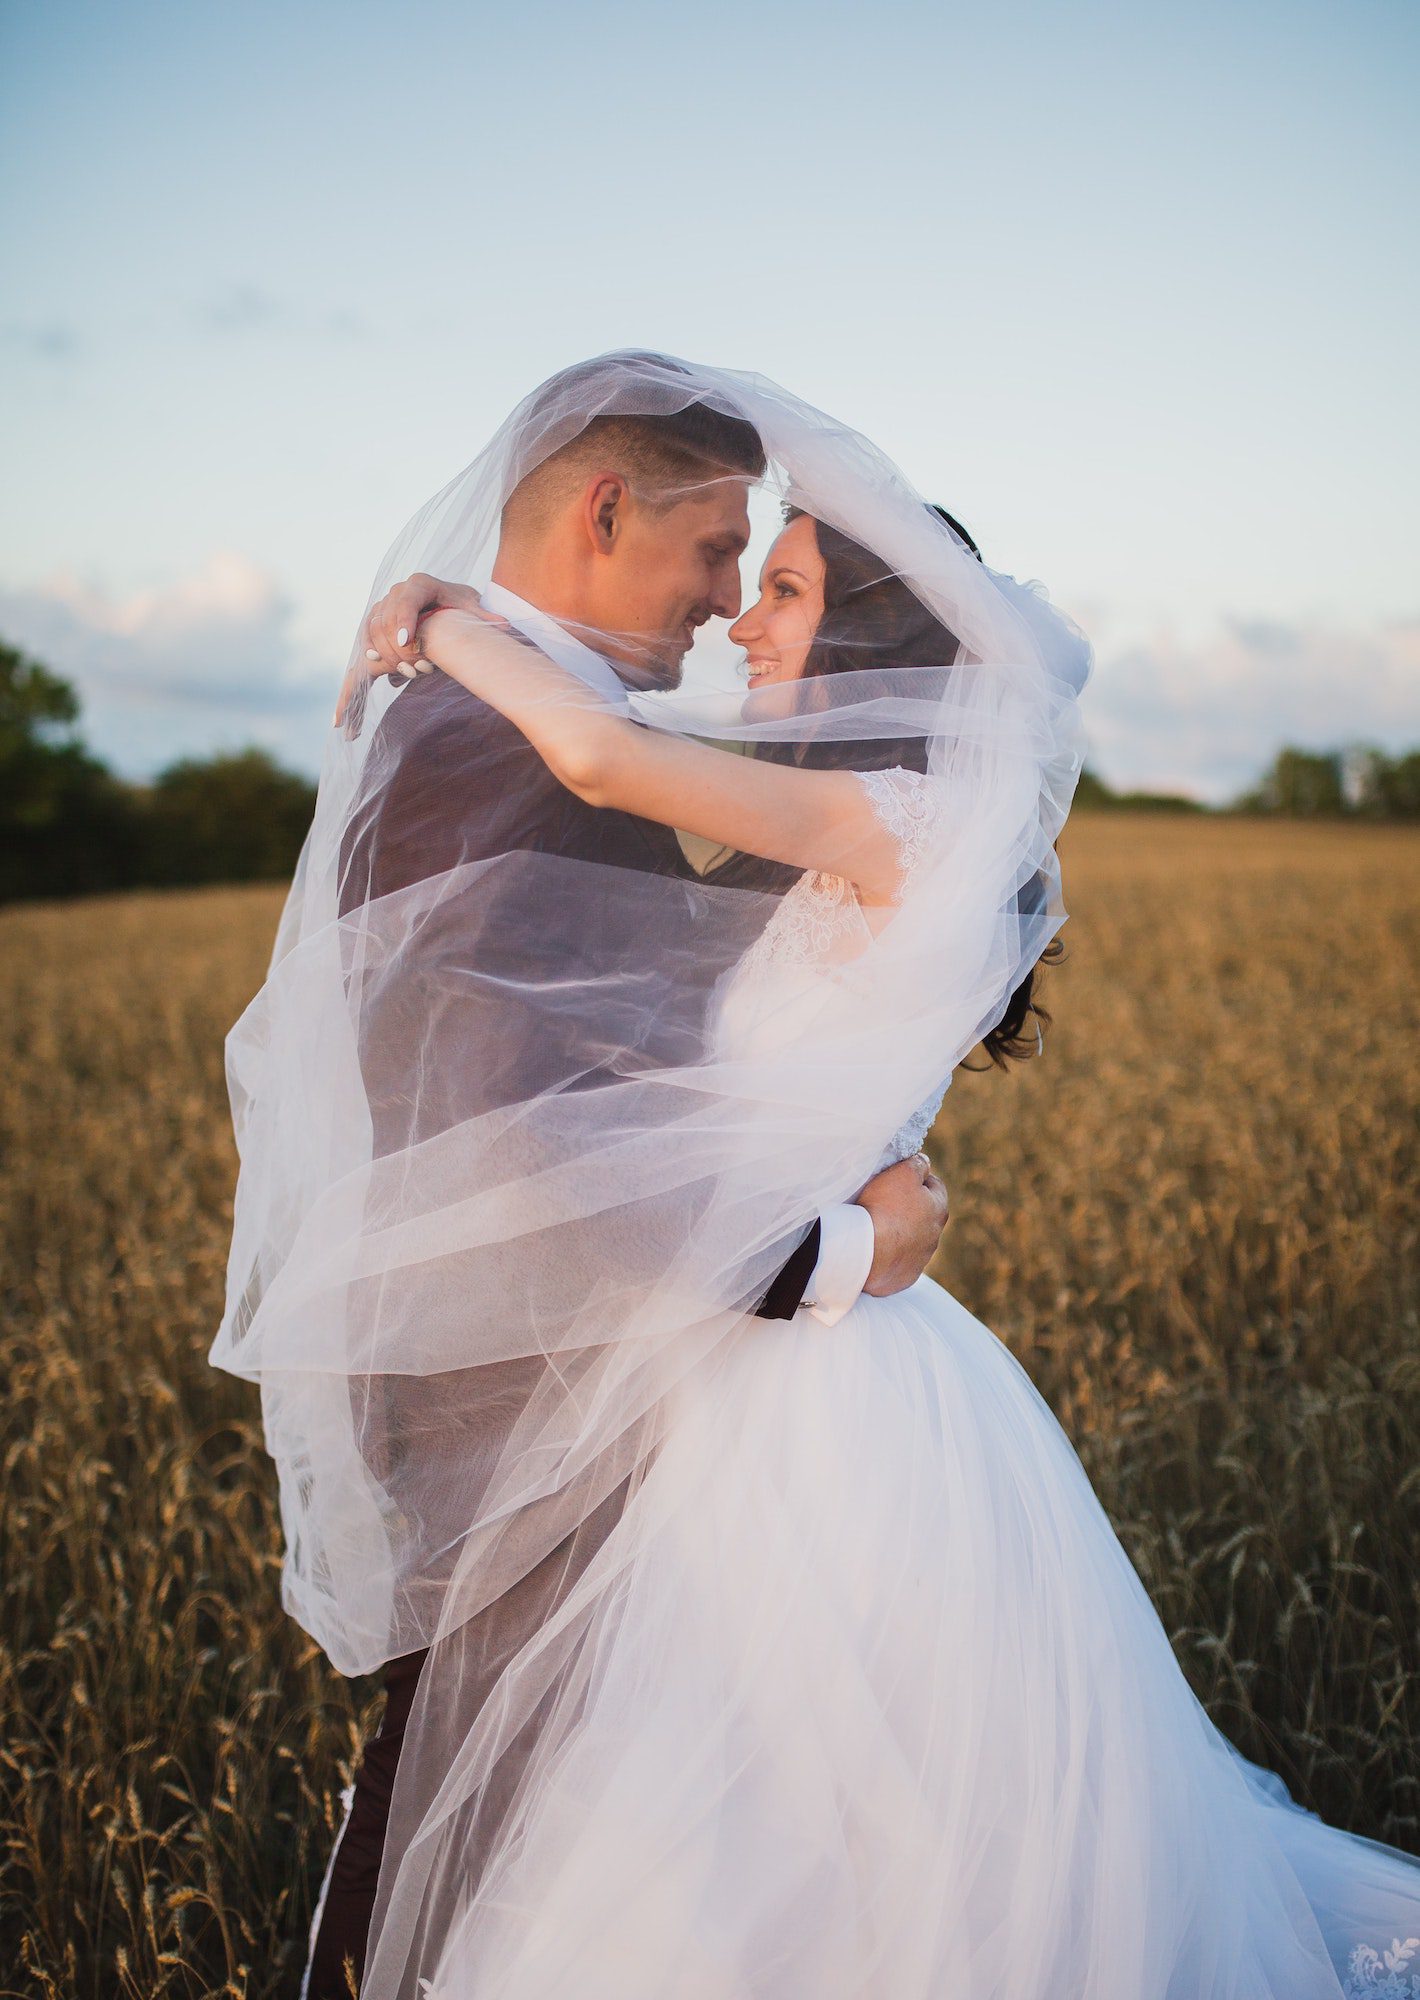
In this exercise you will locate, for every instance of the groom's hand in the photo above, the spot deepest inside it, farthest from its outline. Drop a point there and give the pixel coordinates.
(908, 1205)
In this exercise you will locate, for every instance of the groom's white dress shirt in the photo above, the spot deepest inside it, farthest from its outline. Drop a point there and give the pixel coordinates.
(845, 1230)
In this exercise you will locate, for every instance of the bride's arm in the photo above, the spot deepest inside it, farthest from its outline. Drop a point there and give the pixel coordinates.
(810, 819)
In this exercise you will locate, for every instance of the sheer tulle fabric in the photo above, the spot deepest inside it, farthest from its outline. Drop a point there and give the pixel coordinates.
(483, 1123)
(882, 1709)
(814, 1669)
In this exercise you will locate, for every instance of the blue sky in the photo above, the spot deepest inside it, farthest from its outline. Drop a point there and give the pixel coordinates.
(1131, 290)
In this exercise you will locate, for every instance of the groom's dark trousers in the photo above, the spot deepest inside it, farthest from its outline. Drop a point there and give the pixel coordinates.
(449, 781)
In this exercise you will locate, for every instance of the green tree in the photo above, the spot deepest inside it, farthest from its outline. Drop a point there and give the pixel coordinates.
(66, 824)
(1398, 786)
(1092, 793)
(1303, 783)
(237, 817)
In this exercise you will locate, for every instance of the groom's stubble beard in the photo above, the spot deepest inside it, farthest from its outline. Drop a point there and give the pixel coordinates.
(680, 568)
(683, 562)
(647, 674)
(648, 663)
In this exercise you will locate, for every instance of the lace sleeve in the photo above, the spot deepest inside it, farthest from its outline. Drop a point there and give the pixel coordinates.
(909, 807)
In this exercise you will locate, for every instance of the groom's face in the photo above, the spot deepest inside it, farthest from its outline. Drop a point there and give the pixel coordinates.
(670, 568)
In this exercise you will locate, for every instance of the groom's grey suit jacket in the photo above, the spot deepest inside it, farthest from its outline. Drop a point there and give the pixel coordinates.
(449, 781)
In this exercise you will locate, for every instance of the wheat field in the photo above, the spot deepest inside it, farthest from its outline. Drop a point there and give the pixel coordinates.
(1195, 1222)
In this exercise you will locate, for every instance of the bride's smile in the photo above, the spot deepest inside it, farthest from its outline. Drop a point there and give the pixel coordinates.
(777, 631)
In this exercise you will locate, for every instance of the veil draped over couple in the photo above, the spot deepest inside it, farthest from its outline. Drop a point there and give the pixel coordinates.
(750, 1628)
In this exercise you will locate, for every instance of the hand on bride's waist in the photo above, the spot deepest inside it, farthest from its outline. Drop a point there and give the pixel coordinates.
(909, 1206)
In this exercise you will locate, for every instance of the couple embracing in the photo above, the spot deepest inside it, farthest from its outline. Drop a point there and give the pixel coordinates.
(749, 1625)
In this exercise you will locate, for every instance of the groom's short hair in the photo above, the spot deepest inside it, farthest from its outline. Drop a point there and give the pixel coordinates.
(661, 453)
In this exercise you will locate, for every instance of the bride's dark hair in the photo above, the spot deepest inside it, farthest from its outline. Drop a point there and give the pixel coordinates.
(871, 619)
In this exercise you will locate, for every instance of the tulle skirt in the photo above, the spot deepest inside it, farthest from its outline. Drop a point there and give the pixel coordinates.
(880, 1709)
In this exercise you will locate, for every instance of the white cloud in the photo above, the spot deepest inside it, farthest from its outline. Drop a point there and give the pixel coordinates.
(207, 662)
(212, 661)
(1205, 714)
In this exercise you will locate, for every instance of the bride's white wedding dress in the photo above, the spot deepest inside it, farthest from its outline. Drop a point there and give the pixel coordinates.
(884, 1710)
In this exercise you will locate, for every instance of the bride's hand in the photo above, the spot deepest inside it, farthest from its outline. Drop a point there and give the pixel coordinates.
(389, 638)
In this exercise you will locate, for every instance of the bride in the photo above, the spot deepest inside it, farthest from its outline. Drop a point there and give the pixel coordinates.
(861, 1696)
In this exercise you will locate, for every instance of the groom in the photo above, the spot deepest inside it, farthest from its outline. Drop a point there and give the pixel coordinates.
(633, 527)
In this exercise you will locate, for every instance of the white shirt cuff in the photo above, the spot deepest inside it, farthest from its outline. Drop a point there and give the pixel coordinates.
(845, 1257)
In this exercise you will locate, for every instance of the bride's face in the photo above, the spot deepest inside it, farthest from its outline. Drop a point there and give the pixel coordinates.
(778, 630)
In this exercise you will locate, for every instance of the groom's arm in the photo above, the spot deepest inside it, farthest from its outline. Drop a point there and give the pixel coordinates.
(881, 1243)
(790, 1288)
(827, 1272)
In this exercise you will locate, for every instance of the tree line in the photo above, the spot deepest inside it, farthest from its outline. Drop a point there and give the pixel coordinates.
(1359, 782)
(70, 826)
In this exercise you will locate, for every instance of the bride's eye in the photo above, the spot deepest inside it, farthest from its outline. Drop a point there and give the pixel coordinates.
(782, 589)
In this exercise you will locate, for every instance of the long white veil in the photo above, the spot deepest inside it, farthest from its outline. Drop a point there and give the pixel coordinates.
(503, 1197)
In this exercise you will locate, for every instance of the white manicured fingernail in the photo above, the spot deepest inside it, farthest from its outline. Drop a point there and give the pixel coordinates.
(370, 653)
(402, 635)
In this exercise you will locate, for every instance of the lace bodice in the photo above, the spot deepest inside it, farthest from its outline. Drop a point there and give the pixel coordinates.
(819, 926)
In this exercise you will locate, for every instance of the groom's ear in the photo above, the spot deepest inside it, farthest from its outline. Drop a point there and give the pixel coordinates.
(605, 500)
